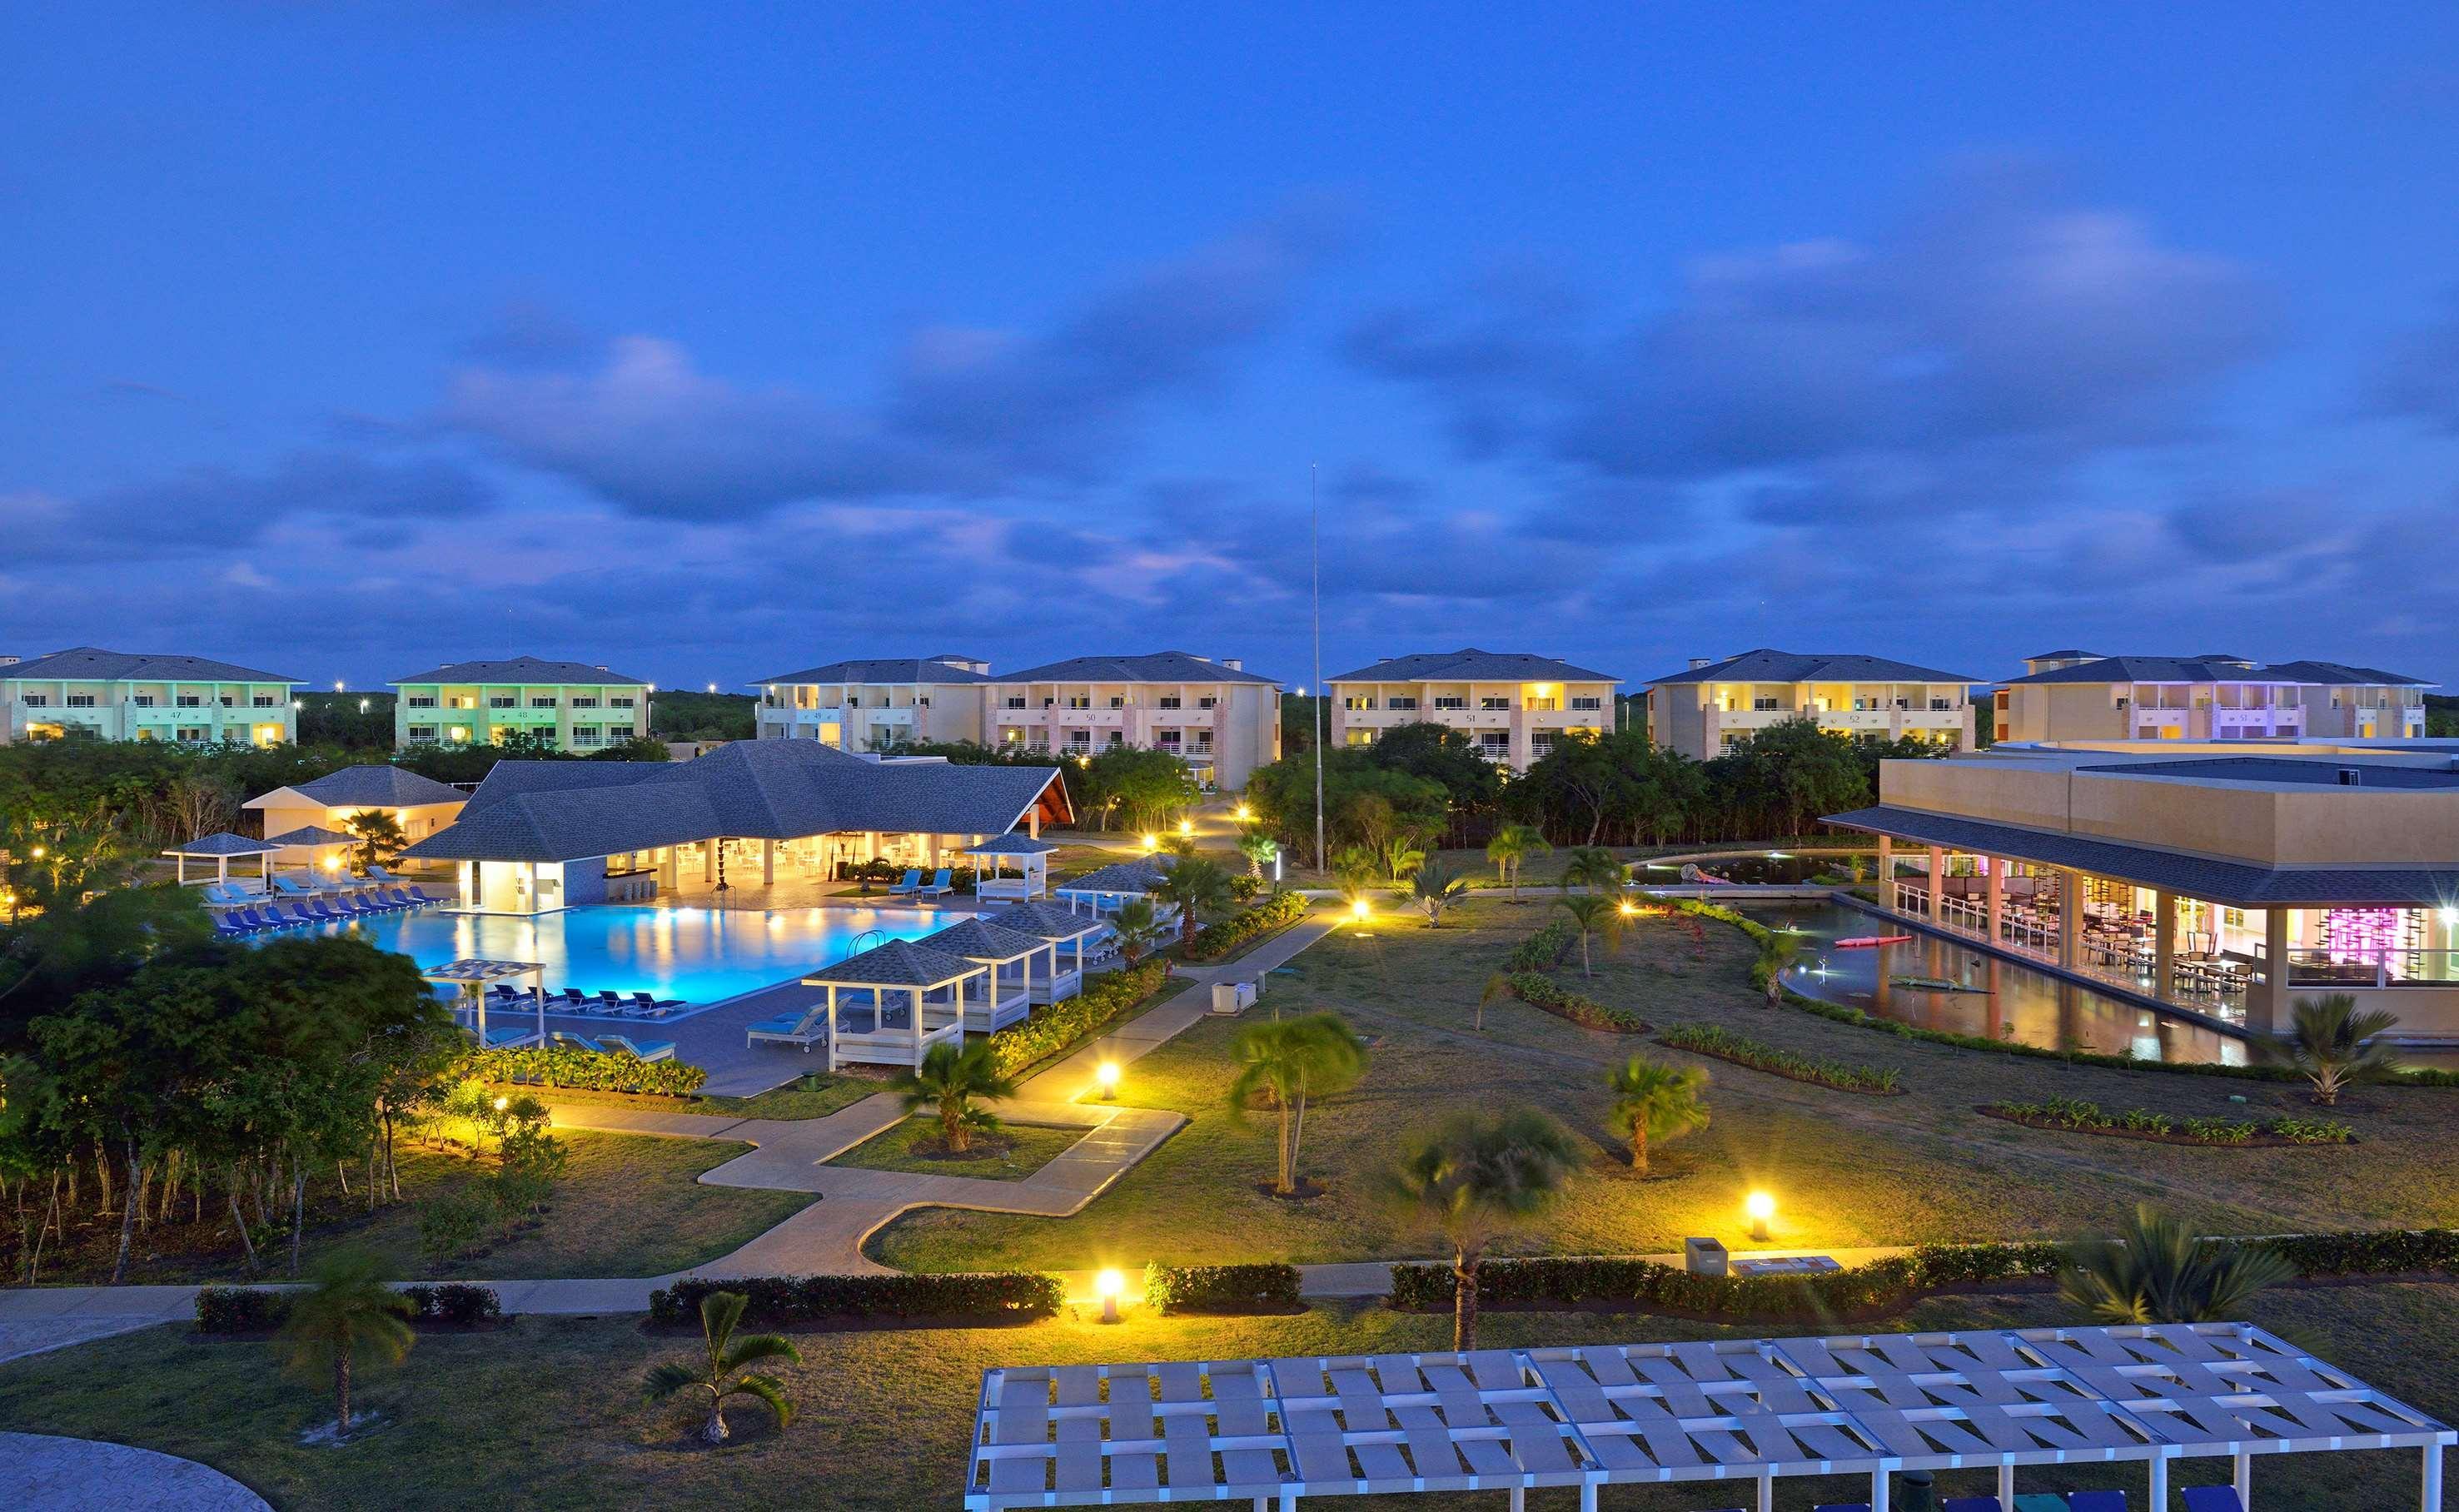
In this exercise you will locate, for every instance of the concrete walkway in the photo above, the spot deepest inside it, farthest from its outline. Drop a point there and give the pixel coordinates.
(39, 1472)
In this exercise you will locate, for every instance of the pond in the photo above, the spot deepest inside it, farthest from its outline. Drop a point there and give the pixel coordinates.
(1758, 867)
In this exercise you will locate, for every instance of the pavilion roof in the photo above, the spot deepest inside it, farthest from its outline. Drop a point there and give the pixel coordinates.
(1013, 843)
(223, 844)
(976, 940)
(312, 836)
(899, 963)
(1140, 875)
(1048, 920)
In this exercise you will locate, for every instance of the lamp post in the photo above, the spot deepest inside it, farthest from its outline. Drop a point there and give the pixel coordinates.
(1107, 1285)
(1761, 1208)
(1105, 1077)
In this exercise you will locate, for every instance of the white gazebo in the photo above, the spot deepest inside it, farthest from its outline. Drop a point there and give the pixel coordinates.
(991, 858)
(1007, 960)
(889, 1004)
(317, 847)
(476, 978)
(221, 849)
(1106, 889)
(1064, 929)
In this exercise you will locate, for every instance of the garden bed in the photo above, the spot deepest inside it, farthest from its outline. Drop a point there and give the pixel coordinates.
(2066, 1115)
(1843, 1076)
(1012, 1152)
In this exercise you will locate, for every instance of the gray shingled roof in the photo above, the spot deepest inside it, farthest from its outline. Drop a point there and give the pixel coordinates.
(377, 788)
(2342, 674)
(881, 669)
(899, 963)
(976, 940)
(1472, 666)
(223, 844)
(2237, 884)
(1764, 665)
(1158, 666)
(521, 670)
(88, 664)
(2214, 669)
(1122, 876)
(2319, 771)
(533, 811)
(1048, 920)
(311, 835)
(1013, 843)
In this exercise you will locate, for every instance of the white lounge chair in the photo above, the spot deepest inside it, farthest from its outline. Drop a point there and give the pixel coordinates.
(641, 1049)
(806, 1028)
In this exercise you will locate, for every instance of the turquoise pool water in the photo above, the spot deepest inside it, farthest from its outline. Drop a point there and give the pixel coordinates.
(700, 955)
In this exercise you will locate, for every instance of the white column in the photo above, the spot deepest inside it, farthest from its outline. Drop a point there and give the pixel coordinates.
(2432, 1500)
(2159, 1501)
(1996, 893)
(709, 859)
(832, 991)
(2244, 1480)
(2070, 918)
(2007, 1488)
(1887, 870)
(1878, 1491)
(768, 863)
(1519, 1499)
(2164, 940)
(1767, 1491)
(917, 1027)
(2267, 1010)
(1937, 882)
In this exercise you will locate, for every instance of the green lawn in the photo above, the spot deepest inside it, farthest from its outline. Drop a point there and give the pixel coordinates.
(1012, 1154)
(1847, 1170)
(546, 1413)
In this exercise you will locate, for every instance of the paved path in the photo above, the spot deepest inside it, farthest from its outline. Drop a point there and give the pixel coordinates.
(39, 1472)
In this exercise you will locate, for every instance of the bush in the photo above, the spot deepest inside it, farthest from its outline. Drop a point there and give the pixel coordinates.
(1541, 991)
(1264, 1288)
(1715, 1040)
(2087, 1118)
(451, 1222)
(784, 1301)
(1541, 951)
(246, 1310)
(1213, 941)
(585, 1070)
(455, 1304)
(1055, 1026)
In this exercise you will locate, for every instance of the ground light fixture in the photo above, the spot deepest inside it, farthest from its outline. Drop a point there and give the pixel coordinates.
(503, 1102)
(1107, 1284)
(1152, 842)
(1187, 827)
(1358, 909)
(1761, 1208)
(1629, 910)
(1244, 813)
(1105, 1076)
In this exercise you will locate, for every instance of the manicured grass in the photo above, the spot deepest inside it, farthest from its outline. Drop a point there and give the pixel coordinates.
(627, 1206)
(1847, 1170)
(1012, 1154)
(794, 1100)
(547, 1414)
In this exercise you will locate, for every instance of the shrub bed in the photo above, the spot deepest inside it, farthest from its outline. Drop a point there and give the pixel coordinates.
(1845, 1076)
(1541, 991)
(1213, 941)
(1058, 1025)
(1263, 1287)
(586, 1070)
(788, 1301)
(1541, 951)
(2076, 1116)
(250, 1310)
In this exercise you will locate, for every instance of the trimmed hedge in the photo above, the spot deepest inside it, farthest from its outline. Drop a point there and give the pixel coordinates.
(1845, 1076)
(1263, 1287)
(1541, 951)
(784, 1301)
(586, 1070)
(1541, 991)
(1055, 1026)
(2087, 1118)
(249, 1309)
(1213, 941)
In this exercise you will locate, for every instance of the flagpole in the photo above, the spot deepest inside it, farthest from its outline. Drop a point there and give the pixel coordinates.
(1314, 533)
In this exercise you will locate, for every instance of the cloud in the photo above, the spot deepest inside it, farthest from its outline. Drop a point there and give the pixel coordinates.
(212, 509)
(2419, 378)
(961, 413)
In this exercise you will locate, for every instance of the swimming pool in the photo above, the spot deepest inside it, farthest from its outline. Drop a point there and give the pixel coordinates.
(700, 955)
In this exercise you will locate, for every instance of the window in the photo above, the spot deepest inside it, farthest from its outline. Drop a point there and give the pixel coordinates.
(1017, 703)
(228, 701)
(1763, 705)
(1080, 740)
(1444, 702)
(38, 700)
(1939, 705)
(1494, 706)
(502, 701)
(1117, 702)
(1118, 738)
(1406, 703)
(1206, 702)
(421, 701)
(1010, 734)
(590, 702)
(422, 732)
(1586, 704)
(1203, 743)
(1356, 702)
(1168, 740)
(587, 735)
(620, 702)
(80, 701)
(1361, 737)
(264, 701)
(1730, 739)
(1541, 744)
(462, 700)
(191, 701)
(190, 734)
(546, 702)
(1169, 701)
(1494, 744)
(1080, 701)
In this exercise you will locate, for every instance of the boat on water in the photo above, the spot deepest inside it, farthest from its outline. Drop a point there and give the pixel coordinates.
(1871, 941)
(1936, 984)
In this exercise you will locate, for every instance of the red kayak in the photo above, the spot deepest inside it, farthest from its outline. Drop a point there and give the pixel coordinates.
(1868, 942)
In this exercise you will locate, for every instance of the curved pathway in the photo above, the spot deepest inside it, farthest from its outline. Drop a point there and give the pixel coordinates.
(39, 1472)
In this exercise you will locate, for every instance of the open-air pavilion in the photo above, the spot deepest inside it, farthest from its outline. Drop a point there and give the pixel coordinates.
(1031, 856)
(1741, 1413)
(1007, 960)
(477, 978)
(1106, 889)
(221, 849)
(1067, 931)
(314, 846)
(889, 1004)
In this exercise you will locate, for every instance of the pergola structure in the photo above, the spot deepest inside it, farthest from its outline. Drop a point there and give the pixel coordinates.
(1060, 927)
(1750, 1410)
(1006, 958)
(898, 999)
(323, 845)
(221, 849)
(1032, 857)
(475, 978)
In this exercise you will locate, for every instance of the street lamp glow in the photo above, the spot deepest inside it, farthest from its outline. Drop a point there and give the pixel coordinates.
(1105, 1076)
(1244, 813)
(1760, 1206)
(1358, 909)
(1152, 841)
(1107, 1284)
(502, 1102)
(1629, 910)
(39, 852)
(1187, 827)
(337, 685)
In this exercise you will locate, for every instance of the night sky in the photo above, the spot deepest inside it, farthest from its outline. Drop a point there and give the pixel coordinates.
(713, 341)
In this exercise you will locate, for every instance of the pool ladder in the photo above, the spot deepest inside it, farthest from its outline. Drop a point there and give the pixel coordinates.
(856, 946)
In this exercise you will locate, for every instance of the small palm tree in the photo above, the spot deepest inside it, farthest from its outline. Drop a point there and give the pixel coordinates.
(1594, 868)
(1498, 985)
(1286, 1062)
(1260, 849)
(1198, 886)
(950, 1081)
(722, 1377)
(1433, 887)
(1652, 1101)
(1512, 845)
(1472, 1181)
(1596, 915)
(1402, 856)
(2158, 1272)
(380, 838)
(1136, 929)
(1354, 867)
(349, 1308)
(2335, 1046)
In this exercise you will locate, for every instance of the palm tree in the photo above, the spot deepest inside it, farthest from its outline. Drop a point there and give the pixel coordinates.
(1433, 887)
(1198, 885)
(1473, 1180)
(348, 1309)
(2335, 1046)
(1498, 984)
(1355, 869)
(1136, 929)
(1594, 868)
(1595, 914)
(1403, 855)
(1290, 1061)
(1652, 1101)
(380, 838)
(1260, 849)
(2158, 1272)
(949, 1081)
(1512, 845)
(719, 1314)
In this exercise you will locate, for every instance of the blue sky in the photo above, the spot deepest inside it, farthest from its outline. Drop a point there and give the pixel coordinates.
(713, 341)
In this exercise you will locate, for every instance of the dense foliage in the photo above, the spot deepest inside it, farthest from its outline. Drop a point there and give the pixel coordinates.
(1727, 1044)
(679, 716)
(587, 1070)
(1123, 788)
(1265, 1286)
(1537, 990)
(1055, 1026)
(1213, 941)
(253, 1310)
(2088, 1117)
(786, 1301)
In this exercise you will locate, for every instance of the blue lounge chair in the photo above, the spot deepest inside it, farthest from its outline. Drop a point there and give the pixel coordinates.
(498, 1035)
(941, 887)
(399, 899)
(804, 1027)
(646, 1003)
(2213, 1499)
(576, 1041)
(1842, 1507)
(418, 895)
(643, 1049)
(2095, 1502)
(2040, 1502)
(573, 997)
(381, 875)
(613, 1003)
(907, 888)
(1988, 1504)
(228, 928)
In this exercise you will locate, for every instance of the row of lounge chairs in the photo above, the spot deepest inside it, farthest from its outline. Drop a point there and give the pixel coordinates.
(914, 887)
(294, 913)
(572, 1000)
(2197, 1498)
(617, 1045)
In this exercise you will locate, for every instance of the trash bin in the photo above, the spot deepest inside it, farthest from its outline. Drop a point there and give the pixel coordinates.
(1704, 1257)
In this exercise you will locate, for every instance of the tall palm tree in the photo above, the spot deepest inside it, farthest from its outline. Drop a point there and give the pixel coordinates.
(722, 1376)
(2157, 1270)
(1433, 887)
(1136, 929)
(1260, 849)
(380, 838)
(1198, 886)
(1594, 868)
(949, 1082)
(1595, 914)
(1473, 1180)
(349, 1308)
(1652, 1101)
(1288, 1062)
(2334, 1045)
(1512, 845)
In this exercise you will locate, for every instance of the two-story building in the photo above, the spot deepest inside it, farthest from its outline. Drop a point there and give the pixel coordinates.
(1715, 704)
(880, 704)
(129, 696)
(1512, 705)
(2084, 696)
(573, 706)
(1219, 718)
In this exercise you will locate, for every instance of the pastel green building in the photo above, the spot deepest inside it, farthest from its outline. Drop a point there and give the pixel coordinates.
(133, 696)
(574, 705)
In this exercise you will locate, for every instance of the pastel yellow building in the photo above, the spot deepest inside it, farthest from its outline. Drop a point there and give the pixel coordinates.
(2082, 694)
(1219, 718)
(877, 703)
(1512, 705)
(1714, 705)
